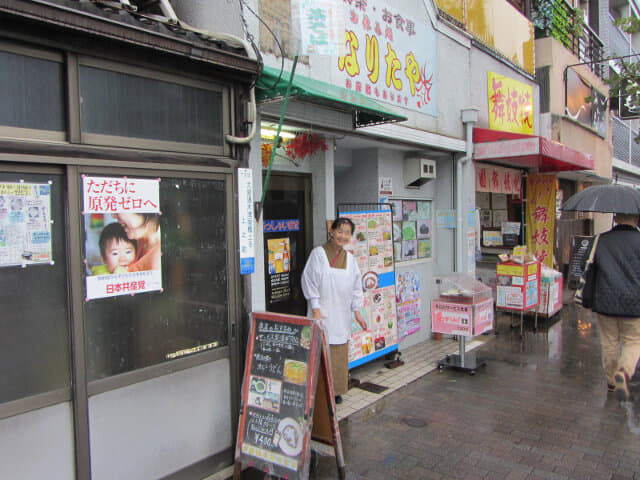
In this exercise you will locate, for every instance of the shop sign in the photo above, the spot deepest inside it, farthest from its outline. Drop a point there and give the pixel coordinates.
(25, 224)
(119, 261)
(408, 303)
(541, 215)
(288, 225)
(321, 26)
(498, 179)
(245, 221)
(390, 56)
(510, 104)
(506, 148)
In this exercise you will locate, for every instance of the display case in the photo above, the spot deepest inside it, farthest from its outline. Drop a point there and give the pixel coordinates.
(464, 306)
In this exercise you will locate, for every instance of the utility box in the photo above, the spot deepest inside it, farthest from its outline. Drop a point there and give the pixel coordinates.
(418, 171)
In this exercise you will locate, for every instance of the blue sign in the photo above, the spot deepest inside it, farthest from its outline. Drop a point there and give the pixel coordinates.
(274, 226)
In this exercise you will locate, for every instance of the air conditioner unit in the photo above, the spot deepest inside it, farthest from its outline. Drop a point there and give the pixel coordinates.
(418, 171)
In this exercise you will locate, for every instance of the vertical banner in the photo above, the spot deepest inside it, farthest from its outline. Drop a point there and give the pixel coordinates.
(25, 224)
(408, 303)
(541, 214)
(510, 104)
(122, 236)
(372, 247)
(245, 221)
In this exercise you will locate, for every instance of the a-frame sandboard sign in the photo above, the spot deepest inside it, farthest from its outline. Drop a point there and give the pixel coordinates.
(287, 398)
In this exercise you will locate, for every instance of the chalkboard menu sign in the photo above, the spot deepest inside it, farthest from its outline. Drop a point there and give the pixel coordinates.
(580, 247)
(278, 394)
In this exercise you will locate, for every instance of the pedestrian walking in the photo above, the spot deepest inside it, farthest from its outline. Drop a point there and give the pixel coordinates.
(612, 290)
(332, 285)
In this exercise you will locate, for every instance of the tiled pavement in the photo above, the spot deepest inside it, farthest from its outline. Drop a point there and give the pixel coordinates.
(538, 410)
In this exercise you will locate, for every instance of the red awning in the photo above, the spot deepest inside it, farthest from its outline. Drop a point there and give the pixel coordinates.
(528, 151)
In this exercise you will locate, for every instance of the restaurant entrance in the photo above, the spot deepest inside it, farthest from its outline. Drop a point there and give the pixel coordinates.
(287, 241)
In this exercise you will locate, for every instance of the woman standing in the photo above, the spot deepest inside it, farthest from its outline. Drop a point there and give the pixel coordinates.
(332, 285)
(145, 229)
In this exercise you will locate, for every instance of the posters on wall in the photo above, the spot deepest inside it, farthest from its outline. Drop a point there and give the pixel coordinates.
(278, 264)
(25, 223)
(372, 247)
(408, 303)
(412, 229)
(390, 55)
(122, 236)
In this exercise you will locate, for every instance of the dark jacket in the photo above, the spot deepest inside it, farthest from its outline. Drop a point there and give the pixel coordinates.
(617, 272)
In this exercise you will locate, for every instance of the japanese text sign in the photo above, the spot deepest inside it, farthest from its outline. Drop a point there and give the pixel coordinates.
(510, 104)
(321, 27)
(122, 194)
(541, 215)
(389, 56)
(498, 180)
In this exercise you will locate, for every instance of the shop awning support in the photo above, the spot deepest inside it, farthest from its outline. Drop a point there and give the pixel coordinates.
(259, 205)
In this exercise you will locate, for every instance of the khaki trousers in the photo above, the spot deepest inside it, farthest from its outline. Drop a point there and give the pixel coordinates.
(340, 368)
(620, 341)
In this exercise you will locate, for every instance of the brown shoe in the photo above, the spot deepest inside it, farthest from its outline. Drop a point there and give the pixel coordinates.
(622, 385)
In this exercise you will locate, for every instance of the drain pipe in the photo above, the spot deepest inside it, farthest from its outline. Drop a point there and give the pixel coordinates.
(469, 118)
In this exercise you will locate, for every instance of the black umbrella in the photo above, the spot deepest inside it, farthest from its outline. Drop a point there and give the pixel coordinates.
(612, 198)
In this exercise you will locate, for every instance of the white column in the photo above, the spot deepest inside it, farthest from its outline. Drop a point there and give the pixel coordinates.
(322, 193)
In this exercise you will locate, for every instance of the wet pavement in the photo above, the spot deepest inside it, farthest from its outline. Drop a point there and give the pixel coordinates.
(539, 409)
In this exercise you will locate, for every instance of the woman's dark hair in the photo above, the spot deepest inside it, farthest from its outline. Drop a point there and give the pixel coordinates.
(113, 231)
(153, 218)
(343, 221)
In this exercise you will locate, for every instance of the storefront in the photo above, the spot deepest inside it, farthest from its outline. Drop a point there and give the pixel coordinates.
(518, 194)
(113, 155)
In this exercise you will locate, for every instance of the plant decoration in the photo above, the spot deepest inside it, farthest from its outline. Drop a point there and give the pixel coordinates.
(305, 144)
(267, 148)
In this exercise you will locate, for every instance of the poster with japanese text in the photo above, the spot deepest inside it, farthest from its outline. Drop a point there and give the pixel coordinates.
(25, 223)
(389, 56)
(510, 104)
(541, 215)
(408, 303)
(372, 247)
(122, 236)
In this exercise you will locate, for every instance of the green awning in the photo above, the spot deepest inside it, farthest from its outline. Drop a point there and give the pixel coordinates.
(365, 112)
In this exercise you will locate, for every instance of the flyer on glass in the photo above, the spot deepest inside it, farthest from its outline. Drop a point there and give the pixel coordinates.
(122, 236)
(25, 223)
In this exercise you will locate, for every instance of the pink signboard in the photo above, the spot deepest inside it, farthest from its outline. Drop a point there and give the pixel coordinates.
(483, 319)
(451, 318)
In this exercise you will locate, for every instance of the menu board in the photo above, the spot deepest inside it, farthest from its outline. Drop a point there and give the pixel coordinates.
(278, 394)
(372, 247)
(580, 248)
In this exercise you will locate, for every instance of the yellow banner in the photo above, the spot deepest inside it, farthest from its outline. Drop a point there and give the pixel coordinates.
(541, 216)
(515, 270)
(510, 104)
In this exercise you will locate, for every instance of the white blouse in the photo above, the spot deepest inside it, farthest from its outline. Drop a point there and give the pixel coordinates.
(337, 292)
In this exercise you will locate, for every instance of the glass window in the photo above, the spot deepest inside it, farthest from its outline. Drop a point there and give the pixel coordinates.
(412, 230)
(32, 95)
(124, 105)
(34, 325)
(190, 313)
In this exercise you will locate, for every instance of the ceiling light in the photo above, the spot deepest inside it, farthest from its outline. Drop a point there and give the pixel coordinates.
(269, 133)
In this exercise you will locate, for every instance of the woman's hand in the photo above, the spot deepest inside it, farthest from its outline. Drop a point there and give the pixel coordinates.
(317, 314)
(361, 321)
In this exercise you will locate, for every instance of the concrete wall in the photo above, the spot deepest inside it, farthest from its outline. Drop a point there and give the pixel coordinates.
(171, 422)
(38, 444)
